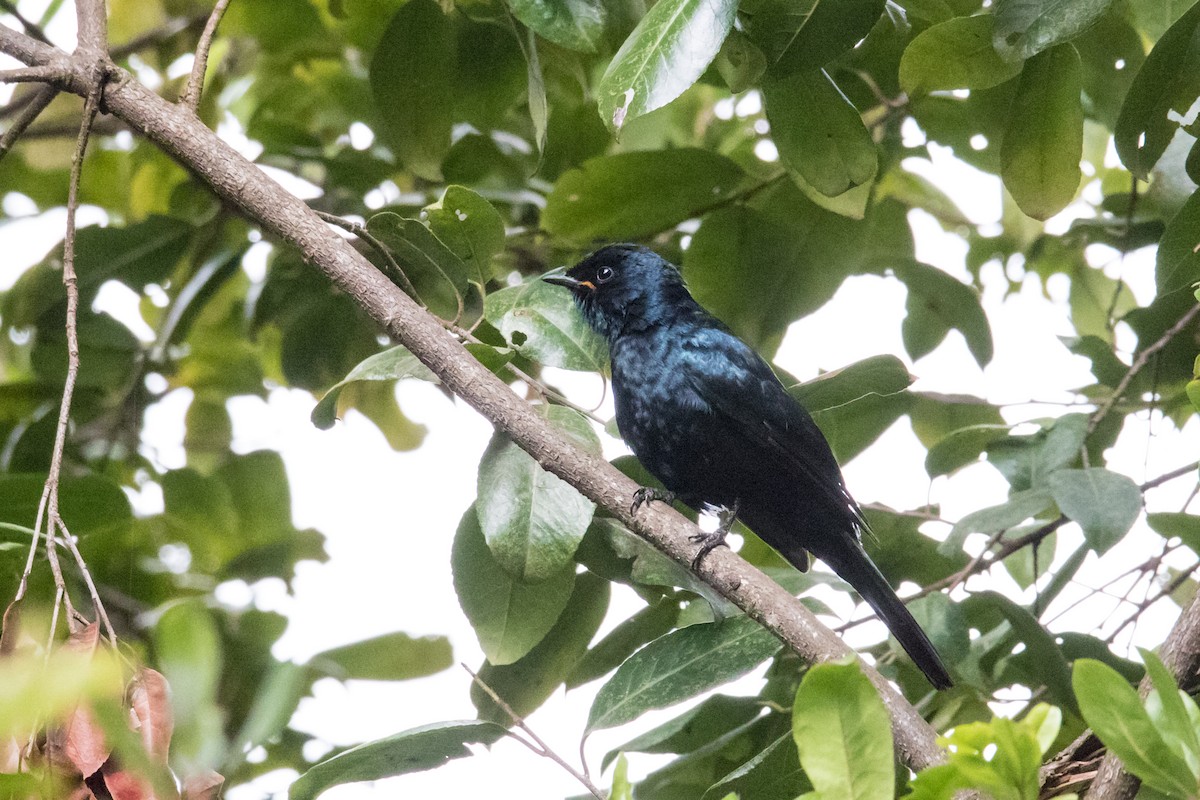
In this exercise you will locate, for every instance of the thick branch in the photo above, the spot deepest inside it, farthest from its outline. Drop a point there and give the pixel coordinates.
(240, 183)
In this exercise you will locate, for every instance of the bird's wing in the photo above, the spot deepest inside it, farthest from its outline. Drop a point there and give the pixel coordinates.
(730, 377)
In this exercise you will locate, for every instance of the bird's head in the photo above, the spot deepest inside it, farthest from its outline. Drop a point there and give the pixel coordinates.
(625, 287)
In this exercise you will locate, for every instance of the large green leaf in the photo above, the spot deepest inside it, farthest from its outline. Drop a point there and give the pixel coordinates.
(388, 657)
(1179, 523)
(1161, 94)
(607, 197)
(543, 323)
(678, 666)
(510, 616)
(532, 520)
(693, 729)
(573, 24)
(819, 132)
(1173, 710)
(843, 734)
(1112, 709)
(526, 683)
(393, 364)
(828, 30)
(411, 74)
(187, 648)
(993, 519)
(1104, 503)
(1043, 142)
(1177, 264)
(668, 50)
(880, 376)
(89, 504)
(962, 447)
(936, 303)
(412, 750)
(1041, 651)
(470, 226)
(955, 54)
(611, 651)
(438, 274)
(773, 773)
(1025, 28)
(1026, 461)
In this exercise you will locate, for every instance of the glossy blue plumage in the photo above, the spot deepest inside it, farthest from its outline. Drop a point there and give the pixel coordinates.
(707, 417)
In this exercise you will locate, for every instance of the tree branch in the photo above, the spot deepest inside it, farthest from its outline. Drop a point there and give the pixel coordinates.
(41, 99)
(195, 84)
(31, 27)
(180, 134)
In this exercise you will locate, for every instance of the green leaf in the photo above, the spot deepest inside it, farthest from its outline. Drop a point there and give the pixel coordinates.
(773, 773)
(525, 684)
(510, 616)
(740, 62)
(1019, 507)
(1043, 142)
(470, 226)
(1104, 503)
(819, 132)
(389, 657)
(573, 24)
(1025, 28)
(1114, 712)
(610, 652)
(936, 303)
(606, 198)
(188, 650)
(539, 110)
(680, 665)
(532, 520)
(1026, 461)
(411, 76)
(1160, 96)
(393, 364)
(543, 324)
(278, 696)
(877, 376)
(693, 729)
(1177, 265)
(955, 54)
(412, 750)
(843, 734)
(828, 30)
(668, 50)
(1050, 667)
(1185, 526)
(90, 504)
(962, 447)
(439, 275)
(1169, 707)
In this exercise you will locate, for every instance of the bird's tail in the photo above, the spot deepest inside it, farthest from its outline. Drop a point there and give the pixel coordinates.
(856, 568)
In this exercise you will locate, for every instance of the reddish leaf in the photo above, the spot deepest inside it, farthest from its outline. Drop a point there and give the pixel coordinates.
(205, 786)
(127, 786)
(83, 640)
(83, 742)
(10, 629)
(150, 702)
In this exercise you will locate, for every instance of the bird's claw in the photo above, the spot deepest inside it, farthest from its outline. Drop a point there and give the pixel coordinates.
(648, 494)
(708, 542)
(711, 541)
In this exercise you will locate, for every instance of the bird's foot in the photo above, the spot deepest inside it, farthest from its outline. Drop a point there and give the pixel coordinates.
(711, 541)
(648, 494)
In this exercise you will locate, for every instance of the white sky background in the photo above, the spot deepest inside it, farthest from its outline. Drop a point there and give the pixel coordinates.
(390, 517)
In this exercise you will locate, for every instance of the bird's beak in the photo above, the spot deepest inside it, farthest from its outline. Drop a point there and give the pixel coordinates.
(560, 278)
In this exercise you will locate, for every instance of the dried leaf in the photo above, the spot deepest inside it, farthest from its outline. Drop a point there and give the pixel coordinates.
(10, 629)
(83, 742)
(150, 704)
(83, 640)
(204, 786)
(124, 785)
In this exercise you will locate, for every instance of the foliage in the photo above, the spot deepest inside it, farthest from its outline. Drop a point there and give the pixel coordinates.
(775, 149)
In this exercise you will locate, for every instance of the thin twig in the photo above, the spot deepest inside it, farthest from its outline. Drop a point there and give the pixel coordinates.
(362, 233)
(1139, 363)
(53, 519)
(1167, 589)
(195, 84)
(41, 99)
(542, 749)
(101, 612)
(1170, 476)
(31, 27)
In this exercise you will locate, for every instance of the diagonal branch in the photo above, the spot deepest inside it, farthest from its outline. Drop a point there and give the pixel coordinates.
(41, 99)
(195, 84)
(180, 134)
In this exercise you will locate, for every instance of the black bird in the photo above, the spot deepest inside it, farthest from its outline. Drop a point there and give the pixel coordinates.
(707, 417)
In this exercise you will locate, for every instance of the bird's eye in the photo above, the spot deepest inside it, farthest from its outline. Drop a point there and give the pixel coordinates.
(604, 274)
